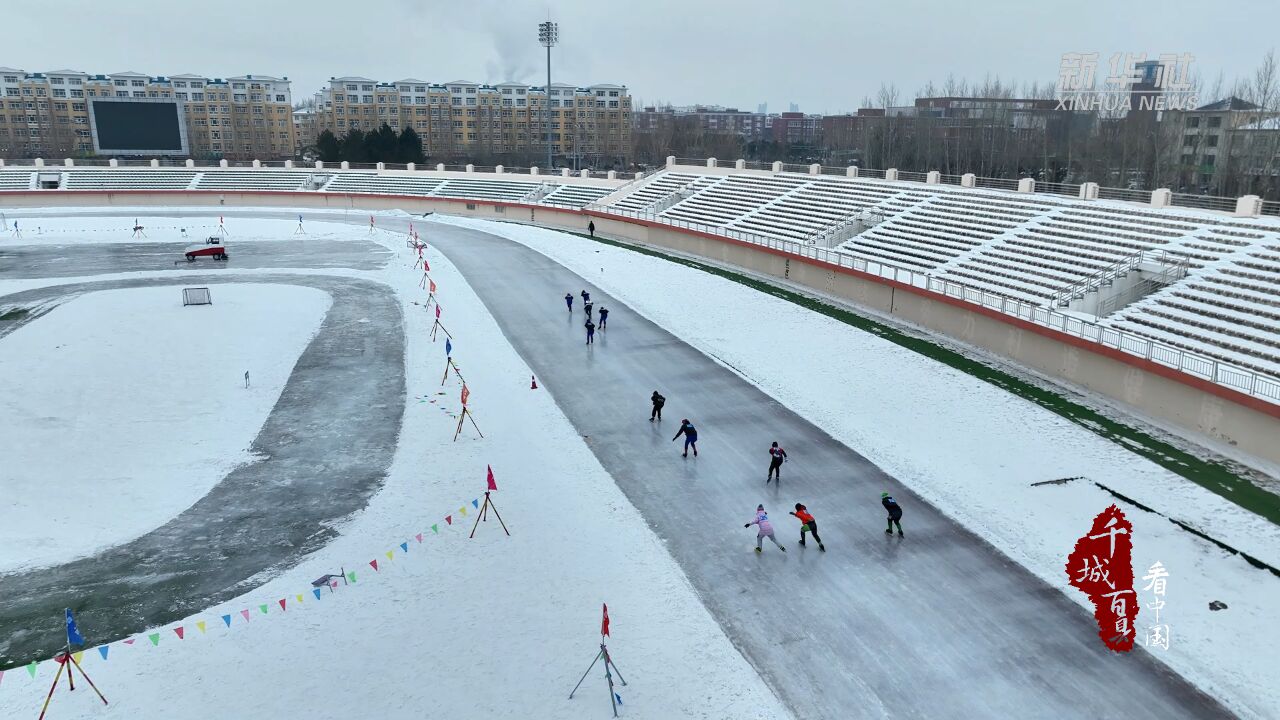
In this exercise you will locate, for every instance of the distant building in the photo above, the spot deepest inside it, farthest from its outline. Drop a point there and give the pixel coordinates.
(588, 125)
(1230, 135)
(241, 118)
(796, 128)
(709, 118)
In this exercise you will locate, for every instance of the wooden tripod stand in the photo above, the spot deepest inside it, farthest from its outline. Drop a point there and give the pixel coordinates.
(441, 326)
(65, 662)
(609, 669)
(449, 363)
(484, 509)
(466, 415)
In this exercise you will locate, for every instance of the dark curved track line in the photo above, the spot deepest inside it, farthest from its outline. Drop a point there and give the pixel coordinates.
(325, 450)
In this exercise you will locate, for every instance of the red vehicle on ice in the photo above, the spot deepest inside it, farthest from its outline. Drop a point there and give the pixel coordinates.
(217, 252)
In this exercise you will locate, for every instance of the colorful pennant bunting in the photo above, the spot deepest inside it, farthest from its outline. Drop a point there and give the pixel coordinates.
(179, 631)
(154, 638)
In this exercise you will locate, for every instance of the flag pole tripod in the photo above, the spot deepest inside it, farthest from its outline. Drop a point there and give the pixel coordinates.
(63, 665)
(466, 415)
(483, 510)
(438, 324)
(451, 364)
(608, 663)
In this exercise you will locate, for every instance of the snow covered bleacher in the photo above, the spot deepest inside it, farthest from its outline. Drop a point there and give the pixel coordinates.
(660, 187)
(253, 180)
(383, 184)
(575, 195)
(1231, 312)
(15, 179)
(129, 179)
(484, 189)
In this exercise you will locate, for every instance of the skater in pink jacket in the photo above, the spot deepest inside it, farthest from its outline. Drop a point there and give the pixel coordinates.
(764, 529)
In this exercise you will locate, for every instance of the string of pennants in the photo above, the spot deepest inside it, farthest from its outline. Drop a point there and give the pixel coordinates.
(228, 621)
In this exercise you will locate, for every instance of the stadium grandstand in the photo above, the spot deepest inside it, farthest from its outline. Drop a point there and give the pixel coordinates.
(1190, 288)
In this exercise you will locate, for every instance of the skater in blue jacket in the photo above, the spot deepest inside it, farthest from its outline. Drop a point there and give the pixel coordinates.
(690, 434)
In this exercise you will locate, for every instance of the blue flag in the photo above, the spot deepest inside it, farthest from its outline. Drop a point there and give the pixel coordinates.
(448, 348)
(619, 697)
(73, 635)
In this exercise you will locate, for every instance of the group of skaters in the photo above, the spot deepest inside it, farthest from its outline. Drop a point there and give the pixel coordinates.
(587, 307)
(777, 456)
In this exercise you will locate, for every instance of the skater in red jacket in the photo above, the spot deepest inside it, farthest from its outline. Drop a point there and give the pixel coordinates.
(807, 524)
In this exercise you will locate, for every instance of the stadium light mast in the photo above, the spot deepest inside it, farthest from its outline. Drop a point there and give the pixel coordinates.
(548, 35)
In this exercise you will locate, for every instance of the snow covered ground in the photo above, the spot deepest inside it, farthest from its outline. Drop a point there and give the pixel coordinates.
(492, 627)
(145, 402)
(973, 450)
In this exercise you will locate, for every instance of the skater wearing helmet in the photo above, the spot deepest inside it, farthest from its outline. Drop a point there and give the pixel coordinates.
(895, 513)
(764, 529)
(807, 524)
(690, 434)
(776, 457)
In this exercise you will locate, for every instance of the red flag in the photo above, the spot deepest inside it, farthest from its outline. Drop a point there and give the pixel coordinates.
(437, 311)
(492, 485)
(448, 519)
(179, 630)
(604, 624)
(374, 564)
(281, 603)
(433, 285)
(465, 394)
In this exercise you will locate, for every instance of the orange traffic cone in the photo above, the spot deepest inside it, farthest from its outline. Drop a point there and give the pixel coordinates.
(533, 383)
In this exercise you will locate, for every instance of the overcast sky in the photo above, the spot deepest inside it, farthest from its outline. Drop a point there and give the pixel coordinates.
(825, 55)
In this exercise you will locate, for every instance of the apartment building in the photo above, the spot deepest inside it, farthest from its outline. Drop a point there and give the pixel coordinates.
(488, 124)
(45, 114)
(712, 119)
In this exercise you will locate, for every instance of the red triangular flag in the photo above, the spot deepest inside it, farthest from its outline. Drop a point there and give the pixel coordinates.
(129, 641)
(604, 624)
(492, 485)
(374, 563)
(281, 603)
(419, 537)
(179, 631)
(437, 311)
(433, 285)
(448, 519)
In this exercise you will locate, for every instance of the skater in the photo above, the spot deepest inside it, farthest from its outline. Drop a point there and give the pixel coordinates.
(591, 228)
(587, 307)
(777, 456)
(895, 513)
(658, 401)
(586, 296)
(807, 524)
(764, 529)
(690, 434)
(568, 301)
(591, 331)
(604, 317)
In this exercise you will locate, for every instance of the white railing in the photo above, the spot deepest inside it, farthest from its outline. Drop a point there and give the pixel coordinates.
(1250, 382)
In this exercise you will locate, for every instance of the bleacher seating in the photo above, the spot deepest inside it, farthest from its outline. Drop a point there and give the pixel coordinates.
(1231, 312)
(129, 178)
(483, 189)
(575, 195)
(252, 180)
(383, 184)
(661, 186)
(15, 179)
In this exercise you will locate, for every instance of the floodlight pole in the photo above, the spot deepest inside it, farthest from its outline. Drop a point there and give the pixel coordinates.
(548, 34)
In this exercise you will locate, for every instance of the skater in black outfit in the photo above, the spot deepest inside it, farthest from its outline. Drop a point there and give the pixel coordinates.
(658, 401)
(690, 434)
(587, 307)
(568, 301)
(895, 513)
(777, 456)
(591, 228)
(586, 296)
(807, 524)
(591, 331)
(604, 317)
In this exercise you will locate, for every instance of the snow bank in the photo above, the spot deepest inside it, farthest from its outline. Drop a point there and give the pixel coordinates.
(972, 450)
(120, 408)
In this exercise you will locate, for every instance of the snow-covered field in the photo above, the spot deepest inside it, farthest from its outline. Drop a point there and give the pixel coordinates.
(973, 450)
(121, 408)
(492, 627)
